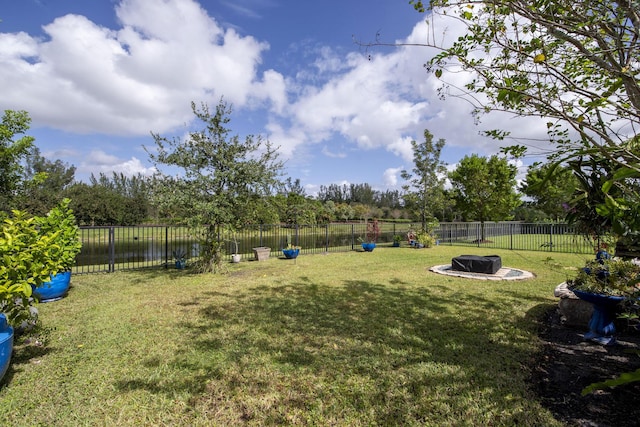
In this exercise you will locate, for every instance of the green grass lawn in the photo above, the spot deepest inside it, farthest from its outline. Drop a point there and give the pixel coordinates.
(340, 339)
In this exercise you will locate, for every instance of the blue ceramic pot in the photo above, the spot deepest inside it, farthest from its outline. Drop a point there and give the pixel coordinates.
(55, 289)
(368, 247)
(601, 255)
(291, 253)
(6, 345)
(601, 325)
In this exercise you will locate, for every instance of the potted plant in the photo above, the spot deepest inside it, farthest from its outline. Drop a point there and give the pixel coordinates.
(291, 251)
(397, 239)
(235, 256)
(233, 239)
(606, 283)
(29, 256)
(60, 223)
(373, 231)
(424, 240)
(180, 258)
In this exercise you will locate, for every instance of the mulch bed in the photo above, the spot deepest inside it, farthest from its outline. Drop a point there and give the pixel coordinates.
(568, 363)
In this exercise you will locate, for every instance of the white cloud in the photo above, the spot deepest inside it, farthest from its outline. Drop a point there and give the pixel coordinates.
(137, 78)
(387, 100)
(272, 88)
(100, 158)
(390, 176)
(402, 148)
(329, 153)
(133, 167)
(17, 46)
(100, 162)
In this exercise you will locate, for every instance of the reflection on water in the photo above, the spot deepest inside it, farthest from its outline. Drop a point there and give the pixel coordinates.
(154, 251)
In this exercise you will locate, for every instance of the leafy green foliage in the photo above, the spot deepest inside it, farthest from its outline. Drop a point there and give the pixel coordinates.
(547, 50)
(223, 181)
(550, 186)
(115, 200)
(424, 191)
(12, 152)
(607, 198)
(591, 174)
(32, 249)
(293, 206)
(28, 259)
(61, 223)
(484, 188)
(625, 378)
(45, 183)
(614, 277)
(622, 197)
(574, 63)
(426, 239)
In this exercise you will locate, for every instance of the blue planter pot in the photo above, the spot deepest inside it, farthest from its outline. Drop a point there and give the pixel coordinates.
(180, 264)
(291, 253)
(601, 255)
(6, 345)
(55, 289)
(601, 325)
(368, 247)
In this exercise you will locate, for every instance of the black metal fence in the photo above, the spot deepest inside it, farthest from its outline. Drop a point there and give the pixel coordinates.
(107, 249)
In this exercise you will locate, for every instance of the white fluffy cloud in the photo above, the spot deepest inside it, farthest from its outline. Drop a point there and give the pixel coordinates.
(391, 177)
(100, 162)
(140, 77)
(387, 99)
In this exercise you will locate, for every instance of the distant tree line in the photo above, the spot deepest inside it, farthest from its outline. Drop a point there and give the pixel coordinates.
(481, 188)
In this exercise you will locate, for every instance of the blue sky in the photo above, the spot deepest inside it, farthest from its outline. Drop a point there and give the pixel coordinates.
(98, 76)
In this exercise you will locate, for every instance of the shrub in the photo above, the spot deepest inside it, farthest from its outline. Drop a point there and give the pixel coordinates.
(32, 250)
(612, 276)
(27, 258)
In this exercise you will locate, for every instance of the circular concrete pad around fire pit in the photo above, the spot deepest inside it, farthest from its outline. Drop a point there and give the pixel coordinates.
(505, 273)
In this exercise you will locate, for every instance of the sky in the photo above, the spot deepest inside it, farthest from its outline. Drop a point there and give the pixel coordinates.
(98, 77)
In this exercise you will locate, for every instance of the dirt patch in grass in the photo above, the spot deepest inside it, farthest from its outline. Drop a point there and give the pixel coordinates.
(568, 363)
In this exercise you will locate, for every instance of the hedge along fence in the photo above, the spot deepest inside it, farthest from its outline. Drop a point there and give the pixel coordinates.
(107, 249)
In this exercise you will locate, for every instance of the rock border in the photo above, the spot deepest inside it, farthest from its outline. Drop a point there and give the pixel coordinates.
(505, 273)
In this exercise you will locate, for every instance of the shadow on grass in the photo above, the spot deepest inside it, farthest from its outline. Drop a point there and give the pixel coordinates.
(23, 354)
(392, 353)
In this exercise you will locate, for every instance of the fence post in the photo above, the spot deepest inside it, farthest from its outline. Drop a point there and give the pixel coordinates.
(112, 249)
(550, 237)
(478, 234)
(260, 243)
(166, 247)
(326, 247)
(511, 236)
(353, 237)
